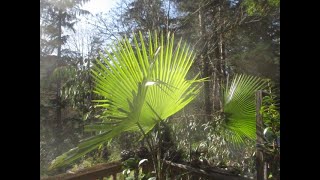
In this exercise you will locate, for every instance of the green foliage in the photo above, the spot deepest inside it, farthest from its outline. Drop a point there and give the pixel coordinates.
(139, 86)
(63, 73)
(258, 61)
(271, 118)
(55, 17)
(274, 2)
(135, 165)
(270, 111)
(240, 107)
(257, 7)
(55, 14)
(229, 137)
(131, 163)
(145, 16)
(249, 44)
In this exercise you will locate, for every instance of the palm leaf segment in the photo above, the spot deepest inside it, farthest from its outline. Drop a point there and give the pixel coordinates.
(139, 87)
(240, 108)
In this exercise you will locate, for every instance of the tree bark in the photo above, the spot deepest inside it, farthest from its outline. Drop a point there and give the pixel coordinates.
(206, 67)
(58, 96)
(219, 62)
(260, 165)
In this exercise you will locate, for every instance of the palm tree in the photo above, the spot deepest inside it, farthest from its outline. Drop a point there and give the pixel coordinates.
(140, 85)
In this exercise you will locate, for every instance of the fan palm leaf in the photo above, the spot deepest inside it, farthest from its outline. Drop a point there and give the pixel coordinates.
(140, 84)
(240, 107)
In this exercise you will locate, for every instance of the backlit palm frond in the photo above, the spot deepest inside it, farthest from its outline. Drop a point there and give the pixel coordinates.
(240, 108)
(140, 84)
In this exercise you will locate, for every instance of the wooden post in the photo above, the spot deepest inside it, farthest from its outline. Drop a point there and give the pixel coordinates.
(114, 177)
(261, 175)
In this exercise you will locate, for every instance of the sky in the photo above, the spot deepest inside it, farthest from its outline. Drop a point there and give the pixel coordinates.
(94, 7)
(97, 6)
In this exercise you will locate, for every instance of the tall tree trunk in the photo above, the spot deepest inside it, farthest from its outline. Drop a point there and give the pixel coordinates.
(58, 97)
(205, 64)
(219, 76)
(168, 17)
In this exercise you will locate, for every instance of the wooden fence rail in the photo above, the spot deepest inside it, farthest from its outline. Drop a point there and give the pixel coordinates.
(212, 174)
(175, 171)
(92, 173)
